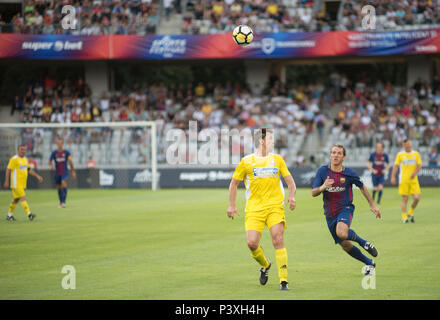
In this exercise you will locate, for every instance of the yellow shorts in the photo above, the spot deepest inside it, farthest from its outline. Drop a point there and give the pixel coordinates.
(256, 220)
(18, 193)
(410, 187)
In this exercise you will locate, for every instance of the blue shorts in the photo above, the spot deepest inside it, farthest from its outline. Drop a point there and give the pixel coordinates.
(377, 180)
(346, 216)
(60, 178)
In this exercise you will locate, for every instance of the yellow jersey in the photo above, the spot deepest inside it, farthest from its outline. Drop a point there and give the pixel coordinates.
(264, 188)
(19, 172)
(408, 163)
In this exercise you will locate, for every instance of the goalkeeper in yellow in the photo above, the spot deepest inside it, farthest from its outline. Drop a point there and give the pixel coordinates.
(16, 178)
(264, 202)
(410, 164)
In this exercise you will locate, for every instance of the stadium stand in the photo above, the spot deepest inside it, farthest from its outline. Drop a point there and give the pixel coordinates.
(357, 114)
(93, 17)
(293, 112)
(208, 17)
(369, 111)
(143, 17)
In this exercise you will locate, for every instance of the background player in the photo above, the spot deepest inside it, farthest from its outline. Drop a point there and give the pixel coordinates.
(16, 178)
(378, 164)
(60, 157)
(335, 182)
(265, 202)
(410, 164)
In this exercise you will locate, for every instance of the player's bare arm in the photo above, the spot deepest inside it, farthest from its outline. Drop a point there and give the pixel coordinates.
(8, 174)
(52, 167)
(36, 175)
(232, 210)
(388, 167)
(393, 175)
(72, 168)
(327, 184)
(414, 174)
(370, 200)
(370, 167)
(292, 191)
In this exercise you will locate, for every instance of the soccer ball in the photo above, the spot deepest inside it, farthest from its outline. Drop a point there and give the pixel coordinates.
(243, 35)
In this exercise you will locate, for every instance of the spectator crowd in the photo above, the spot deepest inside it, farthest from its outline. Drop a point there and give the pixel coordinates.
(365, 110)
(95, 17)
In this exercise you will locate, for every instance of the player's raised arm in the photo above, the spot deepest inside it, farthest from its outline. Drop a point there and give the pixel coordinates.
(232, 210)
(317, 190)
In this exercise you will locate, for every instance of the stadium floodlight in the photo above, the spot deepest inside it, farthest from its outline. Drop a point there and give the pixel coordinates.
(117, 145)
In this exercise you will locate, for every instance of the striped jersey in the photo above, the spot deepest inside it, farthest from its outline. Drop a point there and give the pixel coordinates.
(379, 161)
(340, 194)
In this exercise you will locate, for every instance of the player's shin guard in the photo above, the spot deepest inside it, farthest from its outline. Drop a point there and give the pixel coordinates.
(379, 196)
(281, 258)
(258, 255)
(354, 237)
(64, 195)
(25, 206)
(60, 195)
(357, 254)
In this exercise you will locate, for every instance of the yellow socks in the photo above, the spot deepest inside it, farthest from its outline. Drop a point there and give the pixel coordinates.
(404, 216)
(12, 206)
(410, 211)
(25, 206)
(259, 256)
(281, 258)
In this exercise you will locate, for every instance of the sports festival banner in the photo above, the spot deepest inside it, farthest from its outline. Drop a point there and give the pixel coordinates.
(220, 46)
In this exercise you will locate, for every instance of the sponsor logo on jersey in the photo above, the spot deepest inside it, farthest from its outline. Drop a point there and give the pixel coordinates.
(265, 172)
(335, 189)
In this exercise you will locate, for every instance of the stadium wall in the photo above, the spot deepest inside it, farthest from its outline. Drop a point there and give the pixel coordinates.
(195, 178)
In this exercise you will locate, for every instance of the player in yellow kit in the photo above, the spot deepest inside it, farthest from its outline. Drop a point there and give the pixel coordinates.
(264, 202)
(410, 164)
(16, 178)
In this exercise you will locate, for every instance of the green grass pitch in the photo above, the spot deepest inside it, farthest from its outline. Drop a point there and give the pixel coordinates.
(179, 244)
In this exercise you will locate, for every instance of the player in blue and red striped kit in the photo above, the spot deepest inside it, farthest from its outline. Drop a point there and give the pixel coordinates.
(378, 164)
(335, 182)
(60, 157)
